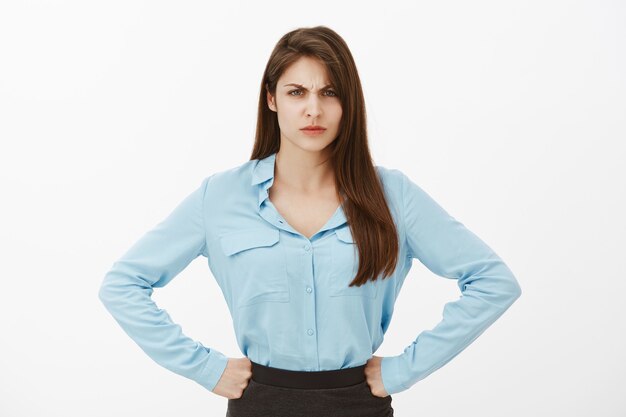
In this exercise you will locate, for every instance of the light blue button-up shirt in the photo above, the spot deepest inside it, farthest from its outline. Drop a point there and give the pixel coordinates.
(288, 295)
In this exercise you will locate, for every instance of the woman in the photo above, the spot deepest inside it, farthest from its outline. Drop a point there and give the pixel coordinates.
(310, 243)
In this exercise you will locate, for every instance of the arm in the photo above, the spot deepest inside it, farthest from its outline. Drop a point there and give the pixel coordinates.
(153, 261)
(447, 248)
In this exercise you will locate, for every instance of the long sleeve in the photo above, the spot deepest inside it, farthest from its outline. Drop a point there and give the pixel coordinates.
(153, 261)
(447, 248)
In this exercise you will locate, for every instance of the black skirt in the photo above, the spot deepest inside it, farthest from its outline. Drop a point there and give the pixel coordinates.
(273, 392)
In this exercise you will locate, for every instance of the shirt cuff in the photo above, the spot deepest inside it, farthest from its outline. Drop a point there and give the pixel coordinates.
(213, 369)
(393, 371)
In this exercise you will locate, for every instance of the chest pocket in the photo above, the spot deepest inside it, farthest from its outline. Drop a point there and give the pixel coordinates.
(256, 266)
(345, 262)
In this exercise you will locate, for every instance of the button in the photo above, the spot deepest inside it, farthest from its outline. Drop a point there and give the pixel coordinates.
(307, 247)
(310, 332)
(280, 221)
(309, 289)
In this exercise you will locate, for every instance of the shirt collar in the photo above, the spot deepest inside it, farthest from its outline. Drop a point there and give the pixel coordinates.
(263, 172)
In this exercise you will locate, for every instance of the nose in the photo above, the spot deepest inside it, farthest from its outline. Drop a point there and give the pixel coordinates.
(313, 106)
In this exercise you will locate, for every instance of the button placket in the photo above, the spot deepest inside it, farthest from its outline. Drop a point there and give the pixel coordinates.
(306, 249)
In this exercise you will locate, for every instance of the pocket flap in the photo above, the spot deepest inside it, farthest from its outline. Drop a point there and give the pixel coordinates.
(234, 242)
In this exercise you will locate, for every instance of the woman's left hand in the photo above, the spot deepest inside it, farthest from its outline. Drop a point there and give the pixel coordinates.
(374, 376)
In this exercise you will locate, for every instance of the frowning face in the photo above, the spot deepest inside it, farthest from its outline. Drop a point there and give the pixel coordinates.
(304, 97)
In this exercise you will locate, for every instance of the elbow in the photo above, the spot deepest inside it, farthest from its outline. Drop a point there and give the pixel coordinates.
(510, 289)
(120, 288)
(111, 289)
(104, 292)
(513, 292)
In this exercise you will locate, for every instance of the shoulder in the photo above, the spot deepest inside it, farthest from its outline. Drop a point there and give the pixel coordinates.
(237, 175)
(392, 178)
(401, 187)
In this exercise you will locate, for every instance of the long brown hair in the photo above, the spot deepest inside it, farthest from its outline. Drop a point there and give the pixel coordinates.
(364, 204)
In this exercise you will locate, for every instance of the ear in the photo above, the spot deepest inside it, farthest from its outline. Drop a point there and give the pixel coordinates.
(271, 102)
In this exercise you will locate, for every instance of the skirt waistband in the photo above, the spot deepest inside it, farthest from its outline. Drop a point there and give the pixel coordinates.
(307, 380)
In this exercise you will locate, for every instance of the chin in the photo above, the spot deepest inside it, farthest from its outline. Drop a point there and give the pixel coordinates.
(314, 147)
(310, 144)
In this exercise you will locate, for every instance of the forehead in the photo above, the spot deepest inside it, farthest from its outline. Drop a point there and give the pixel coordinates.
(307, 71)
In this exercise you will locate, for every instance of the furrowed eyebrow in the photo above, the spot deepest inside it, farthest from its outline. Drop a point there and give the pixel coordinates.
(326, 87)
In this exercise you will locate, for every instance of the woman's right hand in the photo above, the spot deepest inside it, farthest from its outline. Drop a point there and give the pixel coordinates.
(235, 378)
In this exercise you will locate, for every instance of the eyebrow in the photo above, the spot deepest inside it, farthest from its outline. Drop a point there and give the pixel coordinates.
(303, 87)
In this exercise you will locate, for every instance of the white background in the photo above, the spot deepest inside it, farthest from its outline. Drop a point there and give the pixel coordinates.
(510, 114)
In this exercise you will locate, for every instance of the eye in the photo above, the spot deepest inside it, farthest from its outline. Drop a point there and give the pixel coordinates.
(332, 93)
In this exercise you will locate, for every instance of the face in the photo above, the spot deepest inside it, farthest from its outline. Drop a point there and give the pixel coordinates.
(303, 98)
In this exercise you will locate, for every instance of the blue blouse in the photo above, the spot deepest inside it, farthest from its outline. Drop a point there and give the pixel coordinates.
(288, 295)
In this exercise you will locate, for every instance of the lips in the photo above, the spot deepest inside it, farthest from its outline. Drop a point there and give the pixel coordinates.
(313, 131)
